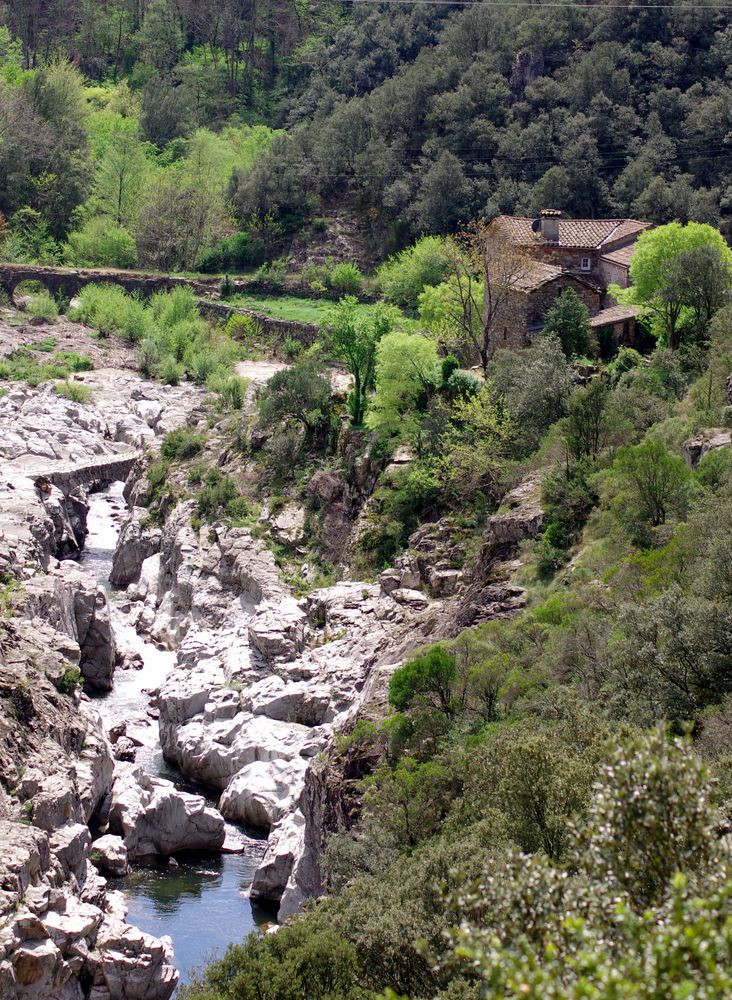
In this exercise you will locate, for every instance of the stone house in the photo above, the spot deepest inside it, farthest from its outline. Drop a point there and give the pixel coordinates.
(547, 255)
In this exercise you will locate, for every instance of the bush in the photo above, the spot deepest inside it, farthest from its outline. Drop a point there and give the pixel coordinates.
(219, 497)
(111, 311)
(233, 253)
(74, 391)
(170, 372)
(346, 278)
(43, 307)
(405, 275)
(182, 443)
(70, 680)
(243, 328)
(231, 389)
(101, 243)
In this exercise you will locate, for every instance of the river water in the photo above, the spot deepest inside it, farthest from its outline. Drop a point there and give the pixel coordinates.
(202, 904)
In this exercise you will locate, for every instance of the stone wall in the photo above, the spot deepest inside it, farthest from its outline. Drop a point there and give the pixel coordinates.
(68, 281)
(273, 329)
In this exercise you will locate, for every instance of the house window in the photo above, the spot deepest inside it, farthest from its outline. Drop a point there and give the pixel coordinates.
(585, 265)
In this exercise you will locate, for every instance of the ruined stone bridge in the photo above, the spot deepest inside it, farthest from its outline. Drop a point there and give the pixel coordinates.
(104, 468)
(68, 281)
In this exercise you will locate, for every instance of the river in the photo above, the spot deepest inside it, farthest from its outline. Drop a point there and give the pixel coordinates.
(201, 903)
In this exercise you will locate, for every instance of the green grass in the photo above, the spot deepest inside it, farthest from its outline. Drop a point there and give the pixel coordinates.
(298, 309)
(74, 391)
(21, 366)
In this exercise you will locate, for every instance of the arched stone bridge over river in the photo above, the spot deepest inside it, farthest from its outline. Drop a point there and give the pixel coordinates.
(68, 281)
(106, 468)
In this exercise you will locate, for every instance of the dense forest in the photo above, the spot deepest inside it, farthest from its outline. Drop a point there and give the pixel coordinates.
(418, 117)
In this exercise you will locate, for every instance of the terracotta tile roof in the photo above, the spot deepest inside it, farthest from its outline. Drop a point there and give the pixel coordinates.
(537, 273)
(534, 275)
(579, 234)
(615, 314)
(622, 256)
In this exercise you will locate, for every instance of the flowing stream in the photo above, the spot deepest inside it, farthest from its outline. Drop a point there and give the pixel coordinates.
(201, 902)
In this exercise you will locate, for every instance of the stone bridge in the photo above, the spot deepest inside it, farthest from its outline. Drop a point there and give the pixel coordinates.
(105, 468)
(68, 281)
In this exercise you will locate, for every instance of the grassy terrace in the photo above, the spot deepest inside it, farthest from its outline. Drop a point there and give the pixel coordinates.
(298, 309)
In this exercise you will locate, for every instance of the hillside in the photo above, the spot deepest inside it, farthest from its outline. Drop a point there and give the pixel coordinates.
(365, 558)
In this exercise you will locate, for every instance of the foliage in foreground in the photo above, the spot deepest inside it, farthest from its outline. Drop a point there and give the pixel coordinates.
(642, 905)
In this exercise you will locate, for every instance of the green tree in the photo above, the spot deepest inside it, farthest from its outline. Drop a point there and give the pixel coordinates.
(569, 319)
(405, 365)
(301, 392)
(587, 425)
(653, 273)
(352, 337)
(655, 481)
(405, 275)
(433, 676)
(121, 174)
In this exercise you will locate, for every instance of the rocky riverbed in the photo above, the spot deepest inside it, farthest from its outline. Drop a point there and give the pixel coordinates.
(255, 687)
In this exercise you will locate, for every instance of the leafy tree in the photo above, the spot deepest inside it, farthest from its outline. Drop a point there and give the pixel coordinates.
(404, 276)
(701, 278)
(569, 319)
(433, 676)
(587, 424)
(536, 384)
(121, 174)
(352, 338)
(656, 481)
(301, 392)
(474, 445)
(654, 275)
(405, 365)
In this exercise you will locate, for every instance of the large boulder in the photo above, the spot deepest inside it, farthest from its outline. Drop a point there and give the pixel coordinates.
(277, 630)
(283, 847)
(153, 817)
(70, 600)
(109, 855)
(134, 545)
(263, 792)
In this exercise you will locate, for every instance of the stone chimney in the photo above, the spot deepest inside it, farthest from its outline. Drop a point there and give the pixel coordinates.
(549, 219)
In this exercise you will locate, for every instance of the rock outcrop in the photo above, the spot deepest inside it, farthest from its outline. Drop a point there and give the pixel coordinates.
(153, 817)
(64, 935)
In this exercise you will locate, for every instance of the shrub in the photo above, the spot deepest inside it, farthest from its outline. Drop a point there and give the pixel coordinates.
(157, 476)
(230, 388)
(432, 676)
(170, 308)
(107, 308)
(101, 243)
(70, 680)
(243, 328)
(233, 253)
(405, 275)
(170, 372)
(148, 357)
(73, 361)
(43, 307)
(346, 278)
(219, 497)
(292, 348)
(74, 391)
(182, 443)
